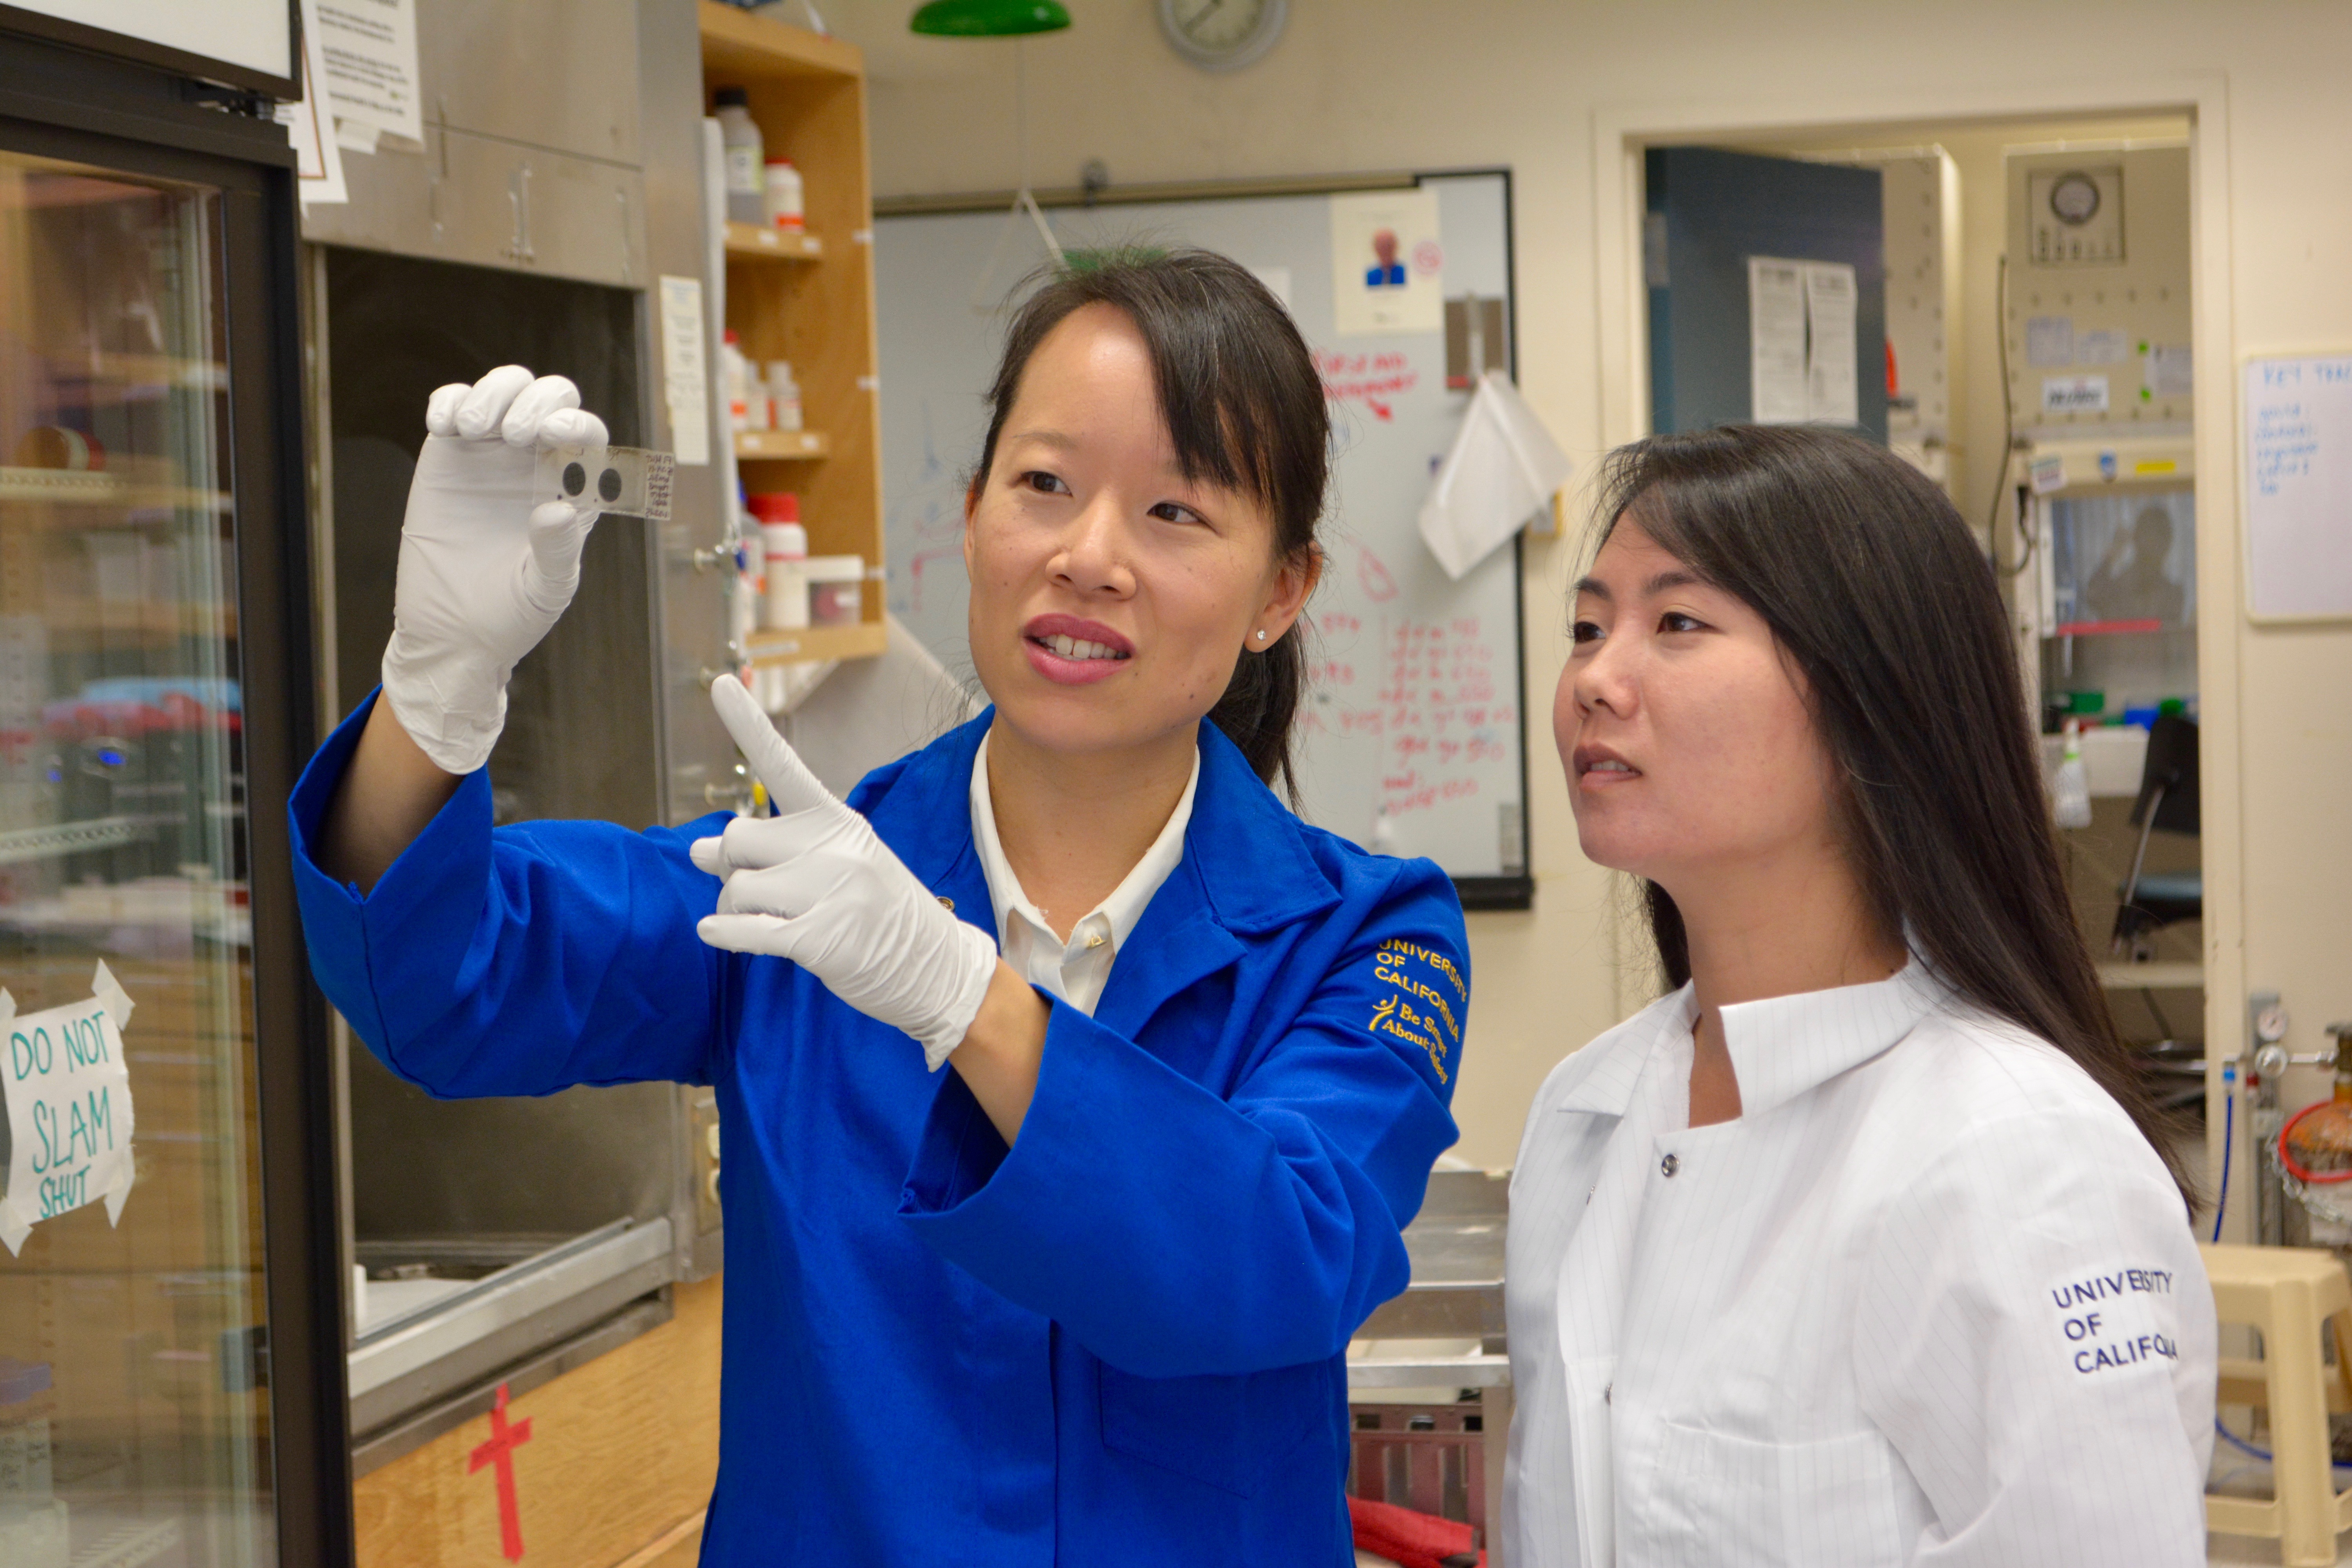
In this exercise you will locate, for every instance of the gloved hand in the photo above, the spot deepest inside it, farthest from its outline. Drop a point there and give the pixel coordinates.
(483, 572)
(813, 884)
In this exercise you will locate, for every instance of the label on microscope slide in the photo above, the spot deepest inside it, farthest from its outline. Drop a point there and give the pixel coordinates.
(628, 480)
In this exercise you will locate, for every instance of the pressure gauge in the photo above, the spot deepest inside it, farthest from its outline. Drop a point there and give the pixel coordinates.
(2074, 199)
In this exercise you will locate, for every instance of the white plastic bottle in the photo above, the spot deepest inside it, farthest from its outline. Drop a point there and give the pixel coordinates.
(735, 378)
(747, 157)
(786, 544)
(783, 199)
(749, 584)
(785, 393)
(2070, 795)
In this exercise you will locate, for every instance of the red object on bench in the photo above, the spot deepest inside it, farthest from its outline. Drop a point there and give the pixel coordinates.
(1409, 1539)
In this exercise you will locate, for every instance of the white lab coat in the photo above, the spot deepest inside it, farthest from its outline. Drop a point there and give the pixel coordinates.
(1929, 1298)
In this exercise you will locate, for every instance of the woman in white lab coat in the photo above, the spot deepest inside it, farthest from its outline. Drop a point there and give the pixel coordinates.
(1865, 1244)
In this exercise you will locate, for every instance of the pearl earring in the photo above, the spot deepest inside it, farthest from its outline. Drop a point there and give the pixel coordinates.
(1261, 635)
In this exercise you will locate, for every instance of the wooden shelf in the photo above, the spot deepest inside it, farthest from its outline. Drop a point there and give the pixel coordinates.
(781, 445)
(767, 243)
(2189, 976)
(85, 486)
(2145, 461)
(145, 620)
(807, 297)
(113, 379)
(161, 370)
(866, 639)
(735, 42)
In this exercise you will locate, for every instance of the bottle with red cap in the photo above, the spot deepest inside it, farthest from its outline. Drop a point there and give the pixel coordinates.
(784, 544)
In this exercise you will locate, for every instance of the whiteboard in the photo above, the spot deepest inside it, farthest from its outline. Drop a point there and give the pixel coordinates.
(1410, 742)
(2298, 478)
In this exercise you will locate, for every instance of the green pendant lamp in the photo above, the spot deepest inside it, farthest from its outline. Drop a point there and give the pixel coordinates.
(1015, 19)
(989, 18)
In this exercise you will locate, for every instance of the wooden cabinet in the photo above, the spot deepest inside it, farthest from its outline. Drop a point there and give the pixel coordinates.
(613, 1470)
(809, 298)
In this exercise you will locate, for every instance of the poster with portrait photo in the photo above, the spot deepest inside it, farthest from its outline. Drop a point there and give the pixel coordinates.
(1387, 263)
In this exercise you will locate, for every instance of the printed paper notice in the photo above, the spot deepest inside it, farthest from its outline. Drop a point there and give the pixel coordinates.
(685, 379)
(2102, 347)
(2074, 394)
(2170, 370)
(1832, 394)
(318, 163)
(69, 1118)
(1777, 389)
(1801, 341)
(2049, 340)
(1388, 264)
(370, 64)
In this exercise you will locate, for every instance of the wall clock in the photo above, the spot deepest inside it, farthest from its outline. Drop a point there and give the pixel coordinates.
(1222, 35)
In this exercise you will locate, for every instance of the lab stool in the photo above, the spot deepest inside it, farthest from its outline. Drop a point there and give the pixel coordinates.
(2286, 1293)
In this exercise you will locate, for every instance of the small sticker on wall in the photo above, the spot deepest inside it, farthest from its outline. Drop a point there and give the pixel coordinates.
(69, 1114)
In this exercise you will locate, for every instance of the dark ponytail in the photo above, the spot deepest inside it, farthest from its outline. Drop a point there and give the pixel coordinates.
(1873, 586)
(1244, 410)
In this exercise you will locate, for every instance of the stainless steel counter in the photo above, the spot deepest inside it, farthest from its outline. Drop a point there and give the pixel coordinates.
(1456, 1247)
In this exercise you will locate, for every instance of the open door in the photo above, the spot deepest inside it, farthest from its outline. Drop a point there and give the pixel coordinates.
(1768, 291)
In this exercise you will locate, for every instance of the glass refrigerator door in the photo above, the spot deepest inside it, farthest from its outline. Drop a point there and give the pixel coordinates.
(131, 1427)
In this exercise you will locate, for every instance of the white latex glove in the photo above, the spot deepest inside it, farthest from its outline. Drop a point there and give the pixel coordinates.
(483, 572)
(815, 885)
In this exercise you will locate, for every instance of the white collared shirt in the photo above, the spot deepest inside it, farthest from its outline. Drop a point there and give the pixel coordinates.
(1930, 1297)
(1075, 971)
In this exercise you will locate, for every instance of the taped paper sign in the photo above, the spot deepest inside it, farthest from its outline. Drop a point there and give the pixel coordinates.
(370, 52)
(1801, 364)
(69, 1116)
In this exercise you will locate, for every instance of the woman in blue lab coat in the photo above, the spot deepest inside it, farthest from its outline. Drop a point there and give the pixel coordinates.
(1084, 1296)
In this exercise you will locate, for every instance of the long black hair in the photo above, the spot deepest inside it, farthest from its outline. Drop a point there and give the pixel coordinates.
(1873, 586)
(1243, 406)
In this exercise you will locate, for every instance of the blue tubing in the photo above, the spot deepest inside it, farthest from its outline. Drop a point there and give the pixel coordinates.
(2245, 1447)
(2229, 1126)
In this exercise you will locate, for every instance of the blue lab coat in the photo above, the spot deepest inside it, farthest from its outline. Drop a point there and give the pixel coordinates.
(1120, 1340)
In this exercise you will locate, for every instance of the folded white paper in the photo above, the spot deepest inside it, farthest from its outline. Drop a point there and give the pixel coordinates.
(1502, 470)
(69, 1118)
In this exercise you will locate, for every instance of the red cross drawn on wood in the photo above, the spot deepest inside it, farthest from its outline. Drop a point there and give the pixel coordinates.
(499, 1451)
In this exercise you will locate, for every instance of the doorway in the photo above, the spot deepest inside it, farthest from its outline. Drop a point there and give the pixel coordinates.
(2038, 315)
(2135, 458)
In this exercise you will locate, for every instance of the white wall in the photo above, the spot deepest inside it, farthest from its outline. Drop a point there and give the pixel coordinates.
(1393, 85)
